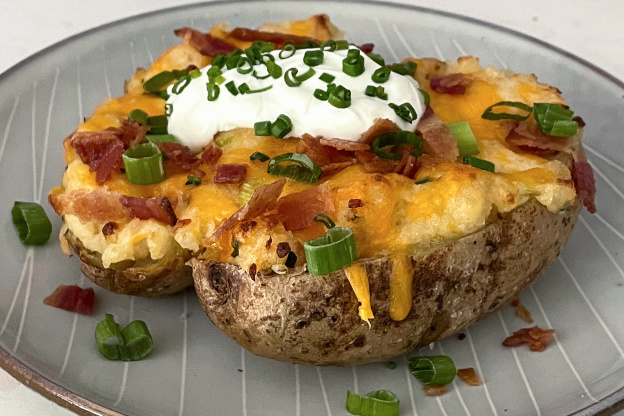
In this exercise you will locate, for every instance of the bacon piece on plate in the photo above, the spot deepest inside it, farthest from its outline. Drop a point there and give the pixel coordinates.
(180, 158)
(438, 140)
(205, 43)
(263, 200)
(435, 390)
(279, 39)
(230, 173)
(158, 208)
(297, 210)
(454, 84)
(469, 376)
(211, 154)
(537, 338)
(72, 298)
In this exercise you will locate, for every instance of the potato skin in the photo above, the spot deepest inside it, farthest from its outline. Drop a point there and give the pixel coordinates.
(307, 319)
(153, 278)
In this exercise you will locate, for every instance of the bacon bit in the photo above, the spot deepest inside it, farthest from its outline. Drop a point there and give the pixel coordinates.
(583, 176)
(344, 144)
(380, 126)
(230, 173)
(407, 165)
(454, 84)
(98, 205)
(179, 156)
(109, 228)
(355, 203)
(211, 154)
(330, 159)
(461, 336)
(72, 298)
(373, 164)
(205, 43)
(263, 200)
(435, 390)
(268, 243)
(366, 47)
(183, 222)
(131, 133)
(469, 376)
(297, 210)
(283, 249)
(522, 312)
(158, 208)
(279, 39)
(252, 271)
(438, 140)
(537, 338)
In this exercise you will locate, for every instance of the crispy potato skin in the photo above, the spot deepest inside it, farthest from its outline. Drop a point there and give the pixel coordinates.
(306, 319)
(154, 278)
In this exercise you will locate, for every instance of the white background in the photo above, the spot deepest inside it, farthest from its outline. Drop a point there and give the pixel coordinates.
(589, 29)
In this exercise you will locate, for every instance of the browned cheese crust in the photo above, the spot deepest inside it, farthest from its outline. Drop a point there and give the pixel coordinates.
(149, 278)
(307, 319)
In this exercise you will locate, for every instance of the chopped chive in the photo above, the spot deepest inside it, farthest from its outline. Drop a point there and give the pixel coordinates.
(370, 90)
(325, 220)
(244, 65)
(479, 163)
(489, 113)
(182, 83)
(435, 370)
(330, 252)
(231, 87)
(353, 64)
(328, 78)
(340, 97)
(306, 75)
(158, 81)
(406, 111)
(274, 69)
(406, 68)
(218, 61)
(341, 44)
(160, 138)
(259, 155)
(295, 166)
(381, 74)
(193, 180)
(256, 76)
(328, 45)
(377, 58)
(262, 128)
(290, 78)
(281, 126)
(213, 91)
(139, 116)
(288, 51)
(319, 94)
(144, 164)
(426, 96)
(168, 109)
(313, 58)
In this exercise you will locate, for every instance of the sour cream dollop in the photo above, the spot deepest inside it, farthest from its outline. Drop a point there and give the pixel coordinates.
(194, 120)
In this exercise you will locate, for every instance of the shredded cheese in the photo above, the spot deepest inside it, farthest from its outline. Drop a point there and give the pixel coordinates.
(358, 278)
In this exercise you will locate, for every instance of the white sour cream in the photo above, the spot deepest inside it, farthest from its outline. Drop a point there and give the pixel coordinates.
(194, 120)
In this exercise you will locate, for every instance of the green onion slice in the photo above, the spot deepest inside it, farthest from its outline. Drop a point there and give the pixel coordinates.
(31, 223)
(339, 97)
(328, 45)
(213, 91)
(182, 83)
(394, 138)
(158, 124)
(555, 120)
(139, 116)
(466, 141)
(328, 78)
(232, 59)
(353, 65)
(157, 138)
(259, 156)
(479, 163)
(306, 75)
(375, 403)
(489, 113)
(381, 74)
(295, 166)
(168, 109)
(274, 69)
(159, 81)
(406, 68)
(313, 58)
(370, 90)
(331, 252)
(435, 370)
(231, 87)
(131, 343)
(244, 65)
(426, 96)
(262, 128)
(323, 218)
(341, 44)
(288, 51)
(193, 180)
(290, 78)
(218, 61)
(244, 89)
(144, 164)
(406, 111)
(281, 126)
(377, 58)
(319, 94)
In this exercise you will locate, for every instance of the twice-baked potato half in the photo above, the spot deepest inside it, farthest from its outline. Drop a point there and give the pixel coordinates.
(331, 208)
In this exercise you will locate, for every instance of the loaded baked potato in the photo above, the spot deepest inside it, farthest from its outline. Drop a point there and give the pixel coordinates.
(448, 215)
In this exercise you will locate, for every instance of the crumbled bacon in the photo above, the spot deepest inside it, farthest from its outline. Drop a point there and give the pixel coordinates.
(407, 165)
(211, 154)
(521, 311)
(435, 390)
(583, 176)
(263, 200)
(72, 298)
(109, 228)
(253, 269)
(297, 210)
(205, 43)
(355, 203)
(366, 47)
(537, 338)
(131, 133)
(325, 154)
(438, 140)
(279, 39)
(374, 164)
(380, 126)
(230, 173)
(283, 249)
(158, 208)
(98, 205)
(469, 376)
(180, 158)
(454, 84)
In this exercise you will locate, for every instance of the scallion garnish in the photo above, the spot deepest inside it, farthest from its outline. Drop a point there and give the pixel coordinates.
(325, 220)
(330, 252)
(195, 73)
(375, 403)
(218, 61)
(288, 51)
(262, 128)
(328, 45)
(370, 90)
(244, 89)
(328, 78)
(424, 180)
(341, 44)
(406, 111)
(256, 76)
(213, 91)
(479, 163)
(274, 69)
(295, 166)
(158, 138)
(313, 58)
(406, 68)
(290, 77)
(466, 141)
(426, 96)
(259, 155)
(144, 164)
(132, 343)
(31, 223)
(319, 94)
(139, 116)
(555, 120)
(489, 113)
(263, 46)
(244, 65)
(182, 83)
(394, 138)
(158, 124)
(193, 180)
(381, 74)
(231, 87)
(213, 73)
(339, 97)
(168, 109)
(353, 64)
(232, 58)
(306, 75)
(377, 58)
(281, 126)
(156, 83)
(434, 370)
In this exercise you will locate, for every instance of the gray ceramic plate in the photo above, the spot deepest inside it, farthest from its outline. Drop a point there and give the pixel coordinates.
(194, 369)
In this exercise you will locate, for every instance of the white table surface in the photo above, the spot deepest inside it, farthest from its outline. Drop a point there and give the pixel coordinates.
(589, 29)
